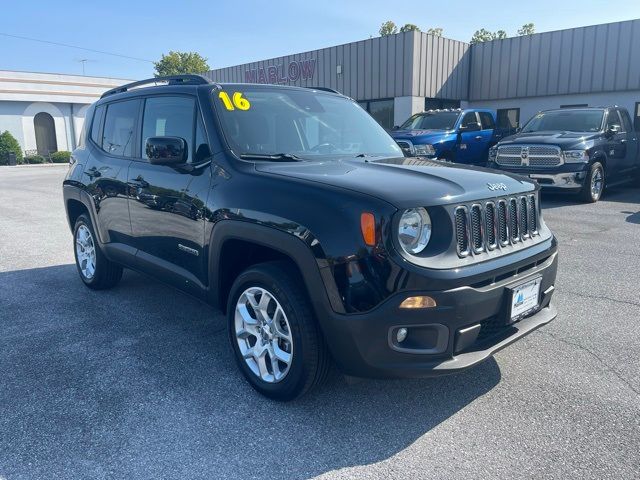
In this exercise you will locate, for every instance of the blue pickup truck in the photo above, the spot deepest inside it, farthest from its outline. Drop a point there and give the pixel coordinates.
(461, 136)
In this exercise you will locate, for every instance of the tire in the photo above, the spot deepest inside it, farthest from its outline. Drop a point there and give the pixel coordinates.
(309, 358)
(104, 274)
(446, 157)
(589, 193)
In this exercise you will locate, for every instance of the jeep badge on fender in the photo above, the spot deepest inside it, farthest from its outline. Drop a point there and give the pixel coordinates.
(296, 214)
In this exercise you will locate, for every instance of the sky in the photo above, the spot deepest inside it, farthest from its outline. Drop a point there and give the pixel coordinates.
(233, 32)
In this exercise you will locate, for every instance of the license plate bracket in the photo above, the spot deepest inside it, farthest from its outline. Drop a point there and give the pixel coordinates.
(524, 299)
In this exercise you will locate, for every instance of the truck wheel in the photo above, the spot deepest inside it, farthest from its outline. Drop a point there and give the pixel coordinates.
(594, 184)
(96, 271)
(275, 338)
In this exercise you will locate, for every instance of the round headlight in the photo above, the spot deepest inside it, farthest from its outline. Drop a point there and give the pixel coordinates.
(414, 230)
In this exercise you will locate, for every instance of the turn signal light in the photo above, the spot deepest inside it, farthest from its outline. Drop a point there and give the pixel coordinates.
(368, 227)
(418, 302)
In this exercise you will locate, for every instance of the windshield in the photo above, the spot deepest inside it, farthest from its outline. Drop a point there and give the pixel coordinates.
(566, 121)
(432, 121)
(266, 121)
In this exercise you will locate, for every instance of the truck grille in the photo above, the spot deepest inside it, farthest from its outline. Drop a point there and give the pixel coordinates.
(529, 156)
(495, 224)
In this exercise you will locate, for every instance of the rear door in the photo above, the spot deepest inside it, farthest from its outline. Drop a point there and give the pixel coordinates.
(472, 143)
(166, 203)
(112, 141)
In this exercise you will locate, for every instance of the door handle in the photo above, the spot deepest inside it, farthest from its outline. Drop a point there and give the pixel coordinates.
(479, 137)
(624, 140)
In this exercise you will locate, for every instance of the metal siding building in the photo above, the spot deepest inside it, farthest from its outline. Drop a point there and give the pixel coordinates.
(398, 75)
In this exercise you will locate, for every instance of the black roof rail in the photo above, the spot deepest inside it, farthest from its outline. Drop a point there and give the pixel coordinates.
(169, 80)
(325, 89)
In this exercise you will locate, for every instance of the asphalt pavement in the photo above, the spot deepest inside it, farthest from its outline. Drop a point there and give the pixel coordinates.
(139, 382)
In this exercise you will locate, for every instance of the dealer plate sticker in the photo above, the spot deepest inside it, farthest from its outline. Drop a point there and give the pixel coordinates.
(525, 299)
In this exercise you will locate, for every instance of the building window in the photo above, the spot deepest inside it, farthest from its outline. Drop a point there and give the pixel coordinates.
(440, 104)
(45, 133)
(380, 110)
(508, 118)
(636, 118)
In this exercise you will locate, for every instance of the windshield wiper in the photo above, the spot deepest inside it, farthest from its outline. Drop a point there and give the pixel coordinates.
(275, 157)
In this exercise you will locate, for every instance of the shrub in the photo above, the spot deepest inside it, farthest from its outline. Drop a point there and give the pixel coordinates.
(8, 144)
(34, 159)
(60, 157)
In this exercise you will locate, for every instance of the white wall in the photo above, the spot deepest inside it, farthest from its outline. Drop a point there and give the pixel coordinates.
(532, 105)
(404, 107)
(17, 118)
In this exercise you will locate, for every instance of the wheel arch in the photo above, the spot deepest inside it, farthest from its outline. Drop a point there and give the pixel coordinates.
(237, 245)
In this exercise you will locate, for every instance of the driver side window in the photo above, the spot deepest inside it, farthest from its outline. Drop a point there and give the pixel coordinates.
(169, 117)
(613, 120)
(469, 119)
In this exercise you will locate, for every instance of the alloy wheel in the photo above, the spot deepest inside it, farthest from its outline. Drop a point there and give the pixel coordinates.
(263, 334)
(85, 252)
(597, 181)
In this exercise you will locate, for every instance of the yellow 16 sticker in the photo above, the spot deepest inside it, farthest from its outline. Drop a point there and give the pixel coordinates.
(238, 102)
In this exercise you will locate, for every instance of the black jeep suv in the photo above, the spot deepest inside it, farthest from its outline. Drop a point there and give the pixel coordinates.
(297, 214)
(579, 150)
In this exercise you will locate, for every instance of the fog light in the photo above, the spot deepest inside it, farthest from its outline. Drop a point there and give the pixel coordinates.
(418, 302)
(401, 334)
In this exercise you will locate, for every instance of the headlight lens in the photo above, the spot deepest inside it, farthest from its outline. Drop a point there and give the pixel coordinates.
(414, 230)
(575, 156)
(423, 150)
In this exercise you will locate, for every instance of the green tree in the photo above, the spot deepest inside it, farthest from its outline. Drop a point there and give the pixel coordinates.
(484, 35)
(409, 27)
(8, 143)
(437, 32)
(388, 28)
(527, 29)
(177, 63)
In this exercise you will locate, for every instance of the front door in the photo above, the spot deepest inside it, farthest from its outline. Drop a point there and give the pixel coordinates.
(471, 144)
(166, 203)
(616, 146)
(631, 159)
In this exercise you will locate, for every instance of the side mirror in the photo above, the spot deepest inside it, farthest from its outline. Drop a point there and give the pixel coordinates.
(518, 129)
(469, 127)
(613, 130)
(396, 127)
(166, 150)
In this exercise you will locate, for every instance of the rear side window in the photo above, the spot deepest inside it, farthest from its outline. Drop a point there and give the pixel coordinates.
(119, 128)
(487, 121)
(169, 117)
(96, 124)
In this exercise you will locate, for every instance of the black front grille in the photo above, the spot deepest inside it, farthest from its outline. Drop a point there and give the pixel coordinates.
(490, 224)
(503, 230)
(476, 228)
(462, 237)
(495, 224)
(513, 220)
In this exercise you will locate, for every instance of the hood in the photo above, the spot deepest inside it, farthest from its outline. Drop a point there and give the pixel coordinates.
(413, 135)
(405, 182)
(564, 140)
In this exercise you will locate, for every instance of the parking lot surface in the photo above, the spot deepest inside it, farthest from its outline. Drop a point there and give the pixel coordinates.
(139, 382)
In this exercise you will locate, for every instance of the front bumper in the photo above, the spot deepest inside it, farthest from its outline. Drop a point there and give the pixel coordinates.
(363, 344)
(565, 177)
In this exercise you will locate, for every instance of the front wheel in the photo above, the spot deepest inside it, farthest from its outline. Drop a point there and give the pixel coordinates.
(276, 340)
(594, 184)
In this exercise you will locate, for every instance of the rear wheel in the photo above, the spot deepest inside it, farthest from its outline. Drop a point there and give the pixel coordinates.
(96, 271)
(276, 340)
(594, 184)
